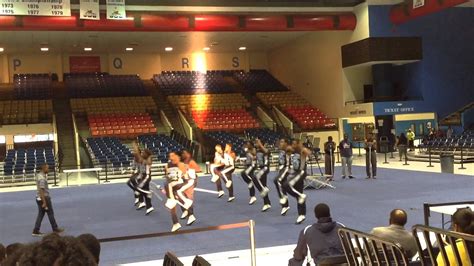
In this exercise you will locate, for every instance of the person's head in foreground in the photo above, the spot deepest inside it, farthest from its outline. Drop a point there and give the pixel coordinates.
(92, 244)
(398, 217)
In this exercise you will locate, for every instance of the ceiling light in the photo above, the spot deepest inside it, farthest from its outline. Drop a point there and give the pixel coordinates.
(2, 49)
(87, 49)
(129, 49)
(206, 49)
(243, 48)
(169, 49)
(44, 49)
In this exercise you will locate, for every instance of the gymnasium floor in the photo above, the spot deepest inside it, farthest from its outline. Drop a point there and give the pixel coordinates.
(107, 211)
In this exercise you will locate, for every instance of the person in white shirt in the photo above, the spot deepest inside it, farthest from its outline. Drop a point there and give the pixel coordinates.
(226, 173)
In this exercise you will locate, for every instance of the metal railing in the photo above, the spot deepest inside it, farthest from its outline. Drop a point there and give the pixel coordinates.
(247, 224)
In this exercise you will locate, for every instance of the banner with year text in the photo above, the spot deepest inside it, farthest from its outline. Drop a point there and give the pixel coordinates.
(35, 7)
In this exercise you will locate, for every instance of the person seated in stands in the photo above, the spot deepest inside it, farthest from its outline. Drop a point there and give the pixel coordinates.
(397, 233)
(463, 222)
(321, 238)
(91, 243)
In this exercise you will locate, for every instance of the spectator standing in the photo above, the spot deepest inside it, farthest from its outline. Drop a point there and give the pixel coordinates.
(345, 148)
(43, 200)
(411, 139)
(402, 146)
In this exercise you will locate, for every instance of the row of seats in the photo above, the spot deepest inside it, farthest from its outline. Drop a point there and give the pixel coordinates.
(268, 136)
(298, 109)
(222, 138)
(103, 85)
(209, 101)
(258, 80)
(281, 99)
(464, 140)
(32, 86)
(121, 125)
(23, 162)
(308, 118)
(109, 151)
(191, 82)
(26, 111)
(233, 120)
(160, 145)
(114, 105)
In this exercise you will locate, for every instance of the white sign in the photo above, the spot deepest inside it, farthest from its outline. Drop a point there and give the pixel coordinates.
(35, 7)
(116, 9)
(418, 3)
(89, 9)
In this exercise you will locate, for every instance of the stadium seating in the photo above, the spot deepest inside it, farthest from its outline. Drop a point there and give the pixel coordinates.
(113, 105)
(24, 163)
(268, 136)
(160, 145)
(298, 109)
(281, 99)
(103, 85)
(26, 111)
(209, 101)
(233, 120)
(121, 125)
(220, 137)
(32, 86)
(308, 117)
(109, 151)
(191, 82)
(258, 80)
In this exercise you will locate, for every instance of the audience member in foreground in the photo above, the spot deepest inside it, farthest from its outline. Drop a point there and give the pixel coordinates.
(2, 253)
(463, 222)
(52, 250)
(92, 244)
(321, 238)
(397, 233)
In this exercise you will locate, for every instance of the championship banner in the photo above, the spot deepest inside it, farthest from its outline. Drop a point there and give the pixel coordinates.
(116, 9)
(89, 9)
(35, 7)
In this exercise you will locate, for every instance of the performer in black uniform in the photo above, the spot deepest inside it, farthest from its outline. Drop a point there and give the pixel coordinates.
(295, 181)
(259, 177)
(250, 165)
(283, 171)
(144, 178)
(179, 179)
(138, 169)
(226, 173)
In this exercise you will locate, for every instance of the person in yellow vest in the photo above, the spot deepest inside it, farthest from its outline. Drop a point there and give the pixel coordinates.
(411, 139)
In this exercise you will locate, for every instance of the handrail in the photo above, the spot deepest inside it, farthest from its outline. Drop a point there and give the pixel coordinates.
(278, 113)
(76, 140)
(166, 122)
(248, 224)
(266, 119)
(184, 124)
(55, 134)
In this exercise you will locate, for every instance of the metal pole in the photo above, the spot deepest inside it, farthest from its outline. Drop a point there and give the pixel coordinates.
(55, 182)
(253, 255)
(359, 149)
(462, 161)
(106, 173)
(429, 154)
(385, 162)
(338, 153)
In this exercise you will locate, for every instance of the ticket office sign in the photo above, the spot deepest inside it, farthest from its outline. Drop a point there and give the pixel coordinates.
(55, 8)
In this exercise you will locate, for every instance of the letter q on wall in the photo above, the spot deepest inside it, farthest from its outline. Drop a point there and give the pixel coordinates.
(16, 64)
(118, 64)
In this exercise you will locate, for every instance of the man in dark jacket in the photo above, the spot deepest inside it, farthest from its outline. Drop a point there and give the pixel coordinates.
(321, 238)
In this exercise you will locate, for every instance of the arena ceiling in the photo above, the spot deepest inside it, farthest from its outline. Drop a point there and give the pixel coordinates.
(142, 42)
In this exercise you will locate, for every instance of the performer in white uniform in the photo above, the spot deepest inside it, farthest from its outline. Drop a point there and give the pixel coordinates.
(226, 173)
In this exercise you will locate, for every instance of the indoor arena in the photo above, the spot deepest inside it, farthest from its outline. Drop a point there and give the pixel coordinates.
(237, 132)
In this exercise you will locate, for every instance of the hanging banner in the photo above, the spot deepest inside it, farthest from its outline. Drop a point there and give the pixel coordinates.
(89, 9)
(55, 8)
(116, 9)
(84, 64)
(418, 3)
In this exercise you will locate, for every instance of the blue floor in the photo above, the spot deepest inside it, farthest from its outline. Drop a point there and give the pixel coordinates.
(107, 211)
